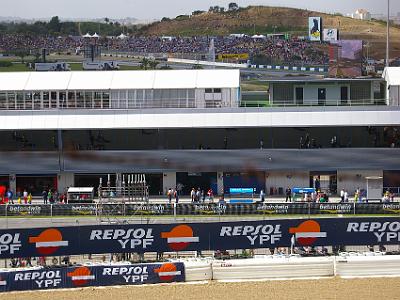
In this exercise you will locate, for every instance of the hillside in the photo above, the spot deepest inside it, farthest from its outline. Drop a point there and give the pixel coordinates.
(263, 19)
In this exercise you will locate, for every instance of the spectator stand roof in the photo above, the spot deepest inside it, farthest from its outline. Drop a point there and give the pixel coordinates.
(114, 80)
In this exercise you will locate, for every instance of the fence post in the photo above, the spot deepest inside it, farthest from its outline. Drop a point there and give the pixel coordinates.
(354, 207)
(6, 215)
(51, 212)
(174, 211)
(309, 210)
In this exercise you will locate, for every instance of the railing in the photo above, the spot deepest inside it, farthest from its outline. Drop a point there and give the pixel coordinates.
(395, 190)
(332, 103)
(116, 210)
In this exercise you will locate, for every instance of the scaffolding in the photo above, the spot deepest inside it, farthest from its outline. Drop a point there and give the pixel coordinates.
(130, 188)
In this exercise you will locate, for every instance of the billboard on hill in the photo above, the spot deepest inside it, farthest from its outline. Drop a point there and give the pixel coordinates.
(314, 29)
(330, 35)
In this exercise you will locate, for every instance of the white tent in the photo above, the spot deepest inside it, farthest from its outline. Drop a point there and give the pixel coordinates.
(95, 35)
(259, 37)
(122, 36)
(87, 35)
(392, 78)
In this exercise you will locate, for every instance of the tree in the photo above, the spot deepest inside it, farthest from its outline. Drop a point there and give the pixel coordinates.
(153, 64)
(197, 12)
(197, 67)
(144, 63)
(54, 24)
(233, 6)
(21, 54)
(107, 20)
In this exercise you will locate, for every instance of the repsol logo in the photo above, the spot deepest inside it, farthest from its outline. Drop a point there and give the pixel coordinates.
(128, 239)
(10, 243)
(130, 274)
(383, 231)
(257, 235)
(43, 279)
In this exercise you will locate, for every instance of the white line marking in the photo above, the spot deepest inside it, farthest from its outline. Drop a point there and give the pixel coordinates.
(169, 273)
(83, 277)
(193, 239)
(51, 244)
(310, 234)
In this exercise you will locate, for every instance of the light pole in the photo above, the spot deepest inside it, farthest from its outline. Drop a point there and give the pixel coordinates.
(387, 33)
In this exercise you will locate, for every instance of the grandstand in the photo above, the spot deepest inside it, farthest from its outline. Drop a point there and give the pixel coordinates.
(185, 128)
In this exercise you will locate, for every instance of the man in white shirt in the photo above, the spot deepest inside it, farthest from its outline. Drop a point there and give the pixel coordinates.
(342, 195)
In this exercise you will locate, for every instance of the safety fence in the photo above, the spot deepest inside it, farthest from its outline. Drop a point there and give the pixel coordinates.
(142, 238)
(81, 276)
(207, 209)
(346, 265)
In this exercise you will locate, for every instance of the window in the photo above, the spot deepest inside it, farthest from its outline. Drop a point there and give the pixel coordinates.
(97, 99)
(46, 100)
(37, 100)
(28, 101)
(71, 100)
(80, 99)
(209, 91)
(3, 100)
(88, 99)
(11, 100)
(106, 100)
(53, 100)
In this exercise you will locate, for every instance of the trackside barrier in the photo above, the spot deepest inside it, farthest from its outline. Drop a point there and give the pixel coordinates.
(198, 270)
(142, 238)
(273, 267)
(89, 275)
(211, 209)
(354, 265)
(347, 265)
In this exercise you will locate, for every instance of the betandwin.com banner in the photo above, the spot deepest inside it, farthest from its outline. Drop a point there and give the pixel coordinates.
(197, 236)
(82, 276)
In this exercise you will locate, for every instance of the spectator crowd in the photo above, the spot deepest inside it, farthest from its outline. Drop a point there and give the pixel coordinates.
(278, 50)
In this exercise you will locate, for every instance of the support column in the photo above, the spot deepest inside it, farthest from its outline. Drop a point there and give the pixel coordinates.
(64, 180)
(12, 180)
(220, 182)
(169, 181)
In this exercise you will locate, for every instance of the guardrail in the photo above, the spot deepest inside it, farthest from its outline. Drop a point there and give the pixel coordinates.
(206, 209)
(346, 265)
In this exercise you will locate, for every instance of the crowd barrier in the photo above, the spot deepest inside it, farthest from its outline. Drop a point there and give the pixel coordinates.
(269, 267)
(141, 238)
(83, 276)
(213, 209)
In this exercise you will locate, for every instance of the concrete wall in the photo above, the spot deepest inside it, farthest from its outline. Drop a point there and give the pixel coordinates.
(286, 179)
(351, 180)
(64, 180)
(169, 181)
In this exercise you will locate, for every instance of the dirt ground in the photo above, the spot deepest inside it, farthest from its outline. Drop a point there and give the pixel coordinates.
(372, 288)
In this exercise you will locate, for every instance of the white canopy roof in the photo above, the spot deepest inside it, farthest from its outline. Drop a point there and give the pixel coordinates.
(392, 75)
(80, 190)
(113, 80)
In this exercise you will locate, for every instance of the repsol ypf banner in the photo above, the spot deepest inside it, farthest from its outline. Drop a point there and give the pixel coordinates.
(82, 276)
(197, 236)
